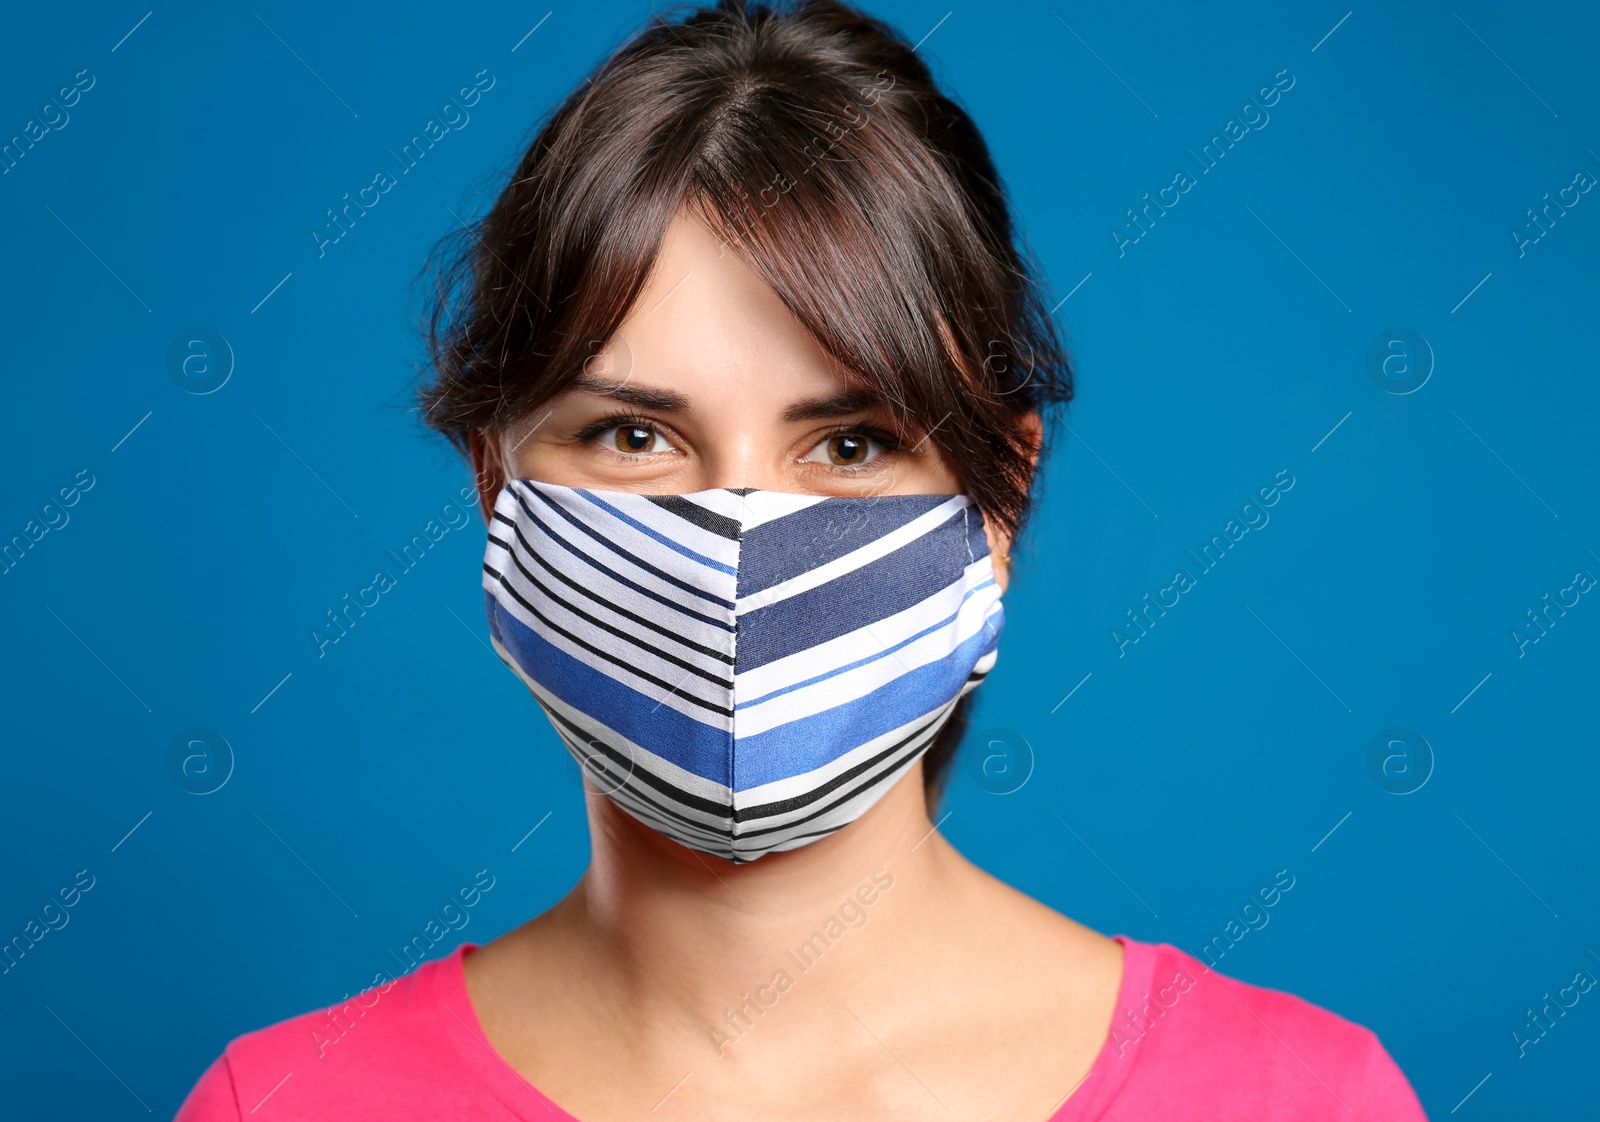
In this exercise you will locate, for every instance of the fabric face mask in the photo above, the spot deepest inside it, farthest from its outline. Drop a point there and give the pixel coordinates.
(744, 671)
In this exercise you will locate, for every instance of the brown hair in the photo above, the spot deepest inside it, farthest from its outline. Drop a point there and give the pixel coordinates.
(812, 138)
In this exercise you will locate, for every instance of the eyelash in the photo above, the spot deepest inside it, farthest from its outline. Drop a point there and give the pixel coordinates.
(888, 441)
(591, 431)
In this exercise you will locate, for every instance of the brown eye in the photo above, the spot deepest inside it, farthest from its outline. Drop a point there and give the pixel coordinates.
(631, 438)
(634, 439)
(849, 450)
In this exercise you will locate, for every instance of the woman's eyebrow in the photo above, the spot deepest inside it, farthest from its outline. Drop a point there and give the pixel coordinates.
(835, 405)
(632, 395)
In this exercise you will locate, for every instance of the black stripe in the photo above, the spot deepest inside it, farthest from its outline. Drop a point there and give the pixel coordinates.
(711, 834)
(875, 780)
(709, 520)
(527, 546)
(766, 810)
(685, 798)
(663, 818)
(928, 730)
(797, 837)
(681, 663)
(769, 810)
(591, 648)
(701, 839)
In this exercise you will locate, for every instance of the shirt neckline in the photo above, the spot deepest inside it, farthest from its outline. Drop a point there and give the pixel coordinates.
(1088, 1100)
(1109, 1073)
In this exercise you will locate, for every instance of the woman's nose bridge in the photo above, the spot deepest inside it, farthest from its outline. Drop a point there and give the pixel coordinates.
(742, 454)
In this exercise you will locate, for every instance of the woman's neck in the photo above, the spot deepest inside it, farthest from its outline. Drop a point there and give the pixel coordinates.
(682, 938)
(828, 975)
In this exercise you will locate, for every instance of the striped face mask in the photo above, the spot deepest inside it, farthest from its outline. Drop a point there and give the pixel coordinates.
(744, 671)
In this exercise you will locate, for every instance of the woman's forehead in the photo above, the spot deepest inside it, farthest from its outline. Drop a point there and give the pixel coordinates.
(706, 328)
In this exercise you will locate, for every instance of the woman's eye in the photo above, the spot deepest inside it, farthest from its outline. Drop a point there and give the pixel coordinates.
(848, 449)
(633, 440)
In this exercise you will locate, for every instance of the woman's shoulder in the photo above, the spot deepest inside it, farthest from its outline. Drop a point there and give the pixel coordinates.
(372, 1038)
(1184, 1033)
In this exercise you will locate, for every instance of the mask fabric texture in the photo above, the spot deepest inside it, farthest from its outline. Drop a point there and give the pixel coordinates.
(744, 671)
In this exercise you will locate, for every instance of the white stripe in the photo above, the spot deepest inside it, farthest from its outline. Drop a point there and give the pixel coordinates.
(579, 545)
(605, 595)
(720, 501)
(675, 526)
(761, 507)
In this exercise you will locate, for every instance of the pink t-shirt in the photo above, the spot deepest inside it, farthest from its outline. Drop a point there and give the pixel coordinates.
(1186, 1042)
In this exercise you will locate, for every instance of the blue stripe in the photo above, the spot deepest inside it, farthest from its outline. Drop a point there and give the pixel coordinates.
(678, 547)
(894, 582)
(870, 658)
(776, 551)
(656, 727)
(809, 743)
(615, 548)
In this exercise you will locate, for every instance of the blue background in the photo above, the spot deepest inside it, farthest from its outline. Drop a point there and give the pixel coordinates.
(1229, 343)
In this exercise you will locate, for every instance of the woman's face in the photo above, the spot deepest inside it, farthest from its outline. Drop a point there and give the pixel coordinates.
(711, 382)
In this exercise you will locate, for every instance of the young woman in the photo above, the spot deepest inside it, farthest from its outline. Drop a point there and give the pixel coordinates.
(754, 378)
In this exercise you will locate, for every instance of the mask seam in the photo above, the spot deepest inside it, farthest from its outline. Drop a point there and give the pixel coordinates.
(733, 677)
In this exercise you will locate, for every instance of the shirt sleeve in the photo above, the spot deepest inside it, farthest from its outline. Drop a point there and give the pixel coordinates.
(1385, 1091)
(212, 1098)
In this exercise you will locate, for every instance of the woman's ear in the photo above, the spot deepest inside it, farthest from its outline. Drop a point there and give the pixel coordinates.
(999, 553)
(487, 472)
(1032, 428)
